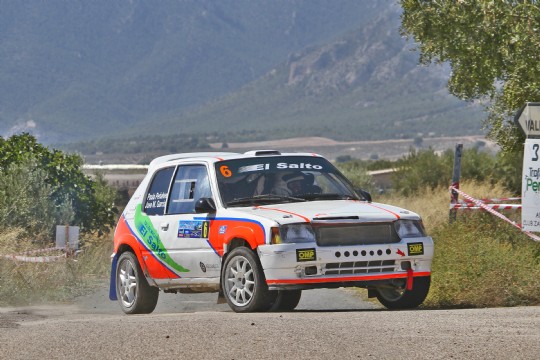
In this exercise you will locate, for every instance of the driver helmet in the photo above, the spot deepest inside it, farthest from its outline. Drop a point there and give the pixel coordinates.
(295, 182)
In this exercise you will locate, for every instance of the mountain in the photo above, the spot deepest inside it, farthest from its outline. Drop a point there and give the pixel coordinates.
(77, 69)
(364, 85)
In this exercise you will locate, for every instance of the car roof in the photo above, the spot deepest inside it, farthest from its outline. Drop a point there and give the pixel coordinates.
(213, 157)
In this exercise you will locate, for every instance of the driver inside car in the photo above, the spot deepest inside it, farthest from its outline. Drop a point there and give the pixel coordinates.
(290, 184)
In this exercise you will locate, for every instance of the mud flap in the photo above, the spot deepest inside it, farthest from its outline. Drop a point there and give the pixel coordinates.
(410, 277)
(221, 298)
(112, 287)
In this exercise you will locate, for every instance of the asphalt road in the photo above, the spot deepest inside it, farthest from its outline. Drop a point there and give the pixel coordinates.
(328, 324)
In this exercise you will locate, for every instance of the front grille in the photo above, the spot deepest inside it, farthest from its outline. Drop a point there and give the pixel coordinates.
(355, 234)
(359, 267)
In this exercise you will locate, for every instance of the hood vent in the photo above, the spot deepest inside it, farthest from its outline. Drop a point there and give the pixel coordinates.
(330, 218)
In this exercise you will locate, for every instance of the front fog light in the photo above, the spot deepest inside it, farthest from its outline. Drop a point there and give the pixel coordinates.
(409, 228)
(297, 233)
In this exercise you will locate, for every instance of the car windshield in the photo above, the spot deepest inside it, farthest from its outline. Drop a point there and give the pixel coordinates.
(269, 180)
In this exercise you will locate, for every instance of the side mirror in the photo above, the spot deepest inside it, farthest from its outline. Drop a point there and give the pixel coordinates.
(366, 195)
(205, 205)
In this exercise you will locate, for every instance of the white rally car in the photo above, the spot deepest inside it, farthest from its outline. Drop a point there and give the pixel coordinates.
(260, 227)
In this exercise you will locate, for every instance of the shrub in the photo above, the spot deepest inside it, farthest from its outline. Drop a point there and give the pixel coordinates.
(483, 262)
(479, 259)
(25, 201)
(44, 188)
(426, 169)
(357, 173)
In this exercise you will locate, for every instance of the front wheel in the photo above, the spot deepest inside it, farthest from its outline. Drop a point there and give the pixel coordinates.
(398, 297)
(134, 293)
(243, 282)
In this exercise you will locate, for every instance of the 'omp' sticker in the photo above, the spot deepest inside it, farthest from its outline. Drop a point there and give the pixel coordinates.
(151, 238)
(305, 255)
(415, 248)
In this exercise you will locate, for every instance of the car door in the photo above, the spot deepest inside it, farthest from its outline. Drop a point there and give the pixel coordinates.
(185, 233)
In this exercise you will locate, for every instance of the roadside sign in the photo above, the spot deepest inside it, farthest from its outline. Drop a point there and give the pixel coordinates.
(530, 188)
(67, 237)
(528, 119)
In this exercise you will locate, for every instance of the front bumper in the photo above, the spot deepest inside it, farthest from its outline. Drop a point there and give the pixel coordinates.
(307, 266)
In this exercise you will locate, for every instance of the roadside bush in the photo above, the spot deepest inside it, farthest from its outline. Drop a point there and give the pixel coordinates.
(25, 201)
(42, 188)
(509, 167)
(425, 168)
(480, 261)
(483, 262)
(357, 173)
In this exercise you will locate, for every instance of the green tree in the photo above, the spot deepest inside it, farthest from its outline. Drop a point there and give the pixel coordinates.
(45, 187)
(357, 173)
(492, 46)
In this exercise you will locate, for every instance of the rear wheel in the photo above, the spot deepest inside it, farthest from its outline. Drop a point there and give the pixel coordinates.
(398, 297)
(243, 282)
(134, 293)
(286, 300)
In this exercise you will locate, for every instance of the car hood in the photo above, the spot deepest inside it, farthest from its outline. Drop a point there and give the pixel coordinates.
(310, 211)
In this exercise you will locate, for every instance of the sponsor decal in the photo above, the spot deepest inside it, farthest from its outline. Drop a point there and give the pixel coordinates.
(415, 248)
(193, 229)
(223, 229)
(281, 165)
(208, 267)
(150, 237)
(306, 255)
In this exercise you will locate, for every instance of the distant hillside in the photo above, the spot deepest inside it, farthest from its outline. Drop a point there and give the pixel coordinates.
(77, 69)
(362, 86)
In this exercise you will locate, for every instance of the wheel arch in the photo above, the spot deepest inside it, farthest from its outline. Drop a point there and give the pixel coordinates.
(241, 233)
(129, 243)
(235, 243)
(121, 245)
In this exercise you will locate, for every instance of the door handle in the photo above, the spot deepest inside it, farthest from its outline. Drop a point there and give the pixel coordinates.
(164, 226)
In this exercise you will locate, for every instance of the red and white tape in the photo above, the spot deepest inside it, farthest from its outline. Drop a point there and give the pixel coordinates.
(497, 200)
(24, 257)
(35, 259)
(472, 206)
(486, 207)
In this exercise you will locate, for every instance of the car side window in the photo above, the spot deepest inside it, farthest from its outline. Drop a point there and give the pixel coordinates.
(190, 184)
(156, 198)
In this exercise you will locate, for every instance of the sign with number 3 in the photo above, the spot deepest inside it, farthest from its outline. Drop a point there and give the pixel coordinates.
(530, 188)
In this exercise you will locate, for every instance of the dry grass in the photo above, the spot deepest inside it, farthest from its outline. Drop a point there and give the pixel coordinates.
(483, 262)
(433, 204)
(480, 261)
(23, 283)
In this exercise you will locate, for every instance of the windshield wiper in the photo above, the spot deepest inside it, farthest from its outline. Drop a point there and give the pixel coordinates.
(266, 198)
(330, 196)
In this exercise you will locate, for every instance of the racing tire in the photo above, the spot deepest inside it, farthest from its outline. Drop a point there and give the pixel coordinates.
(243, 282)
(286, 300)
(134, 293)
(401, 299)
